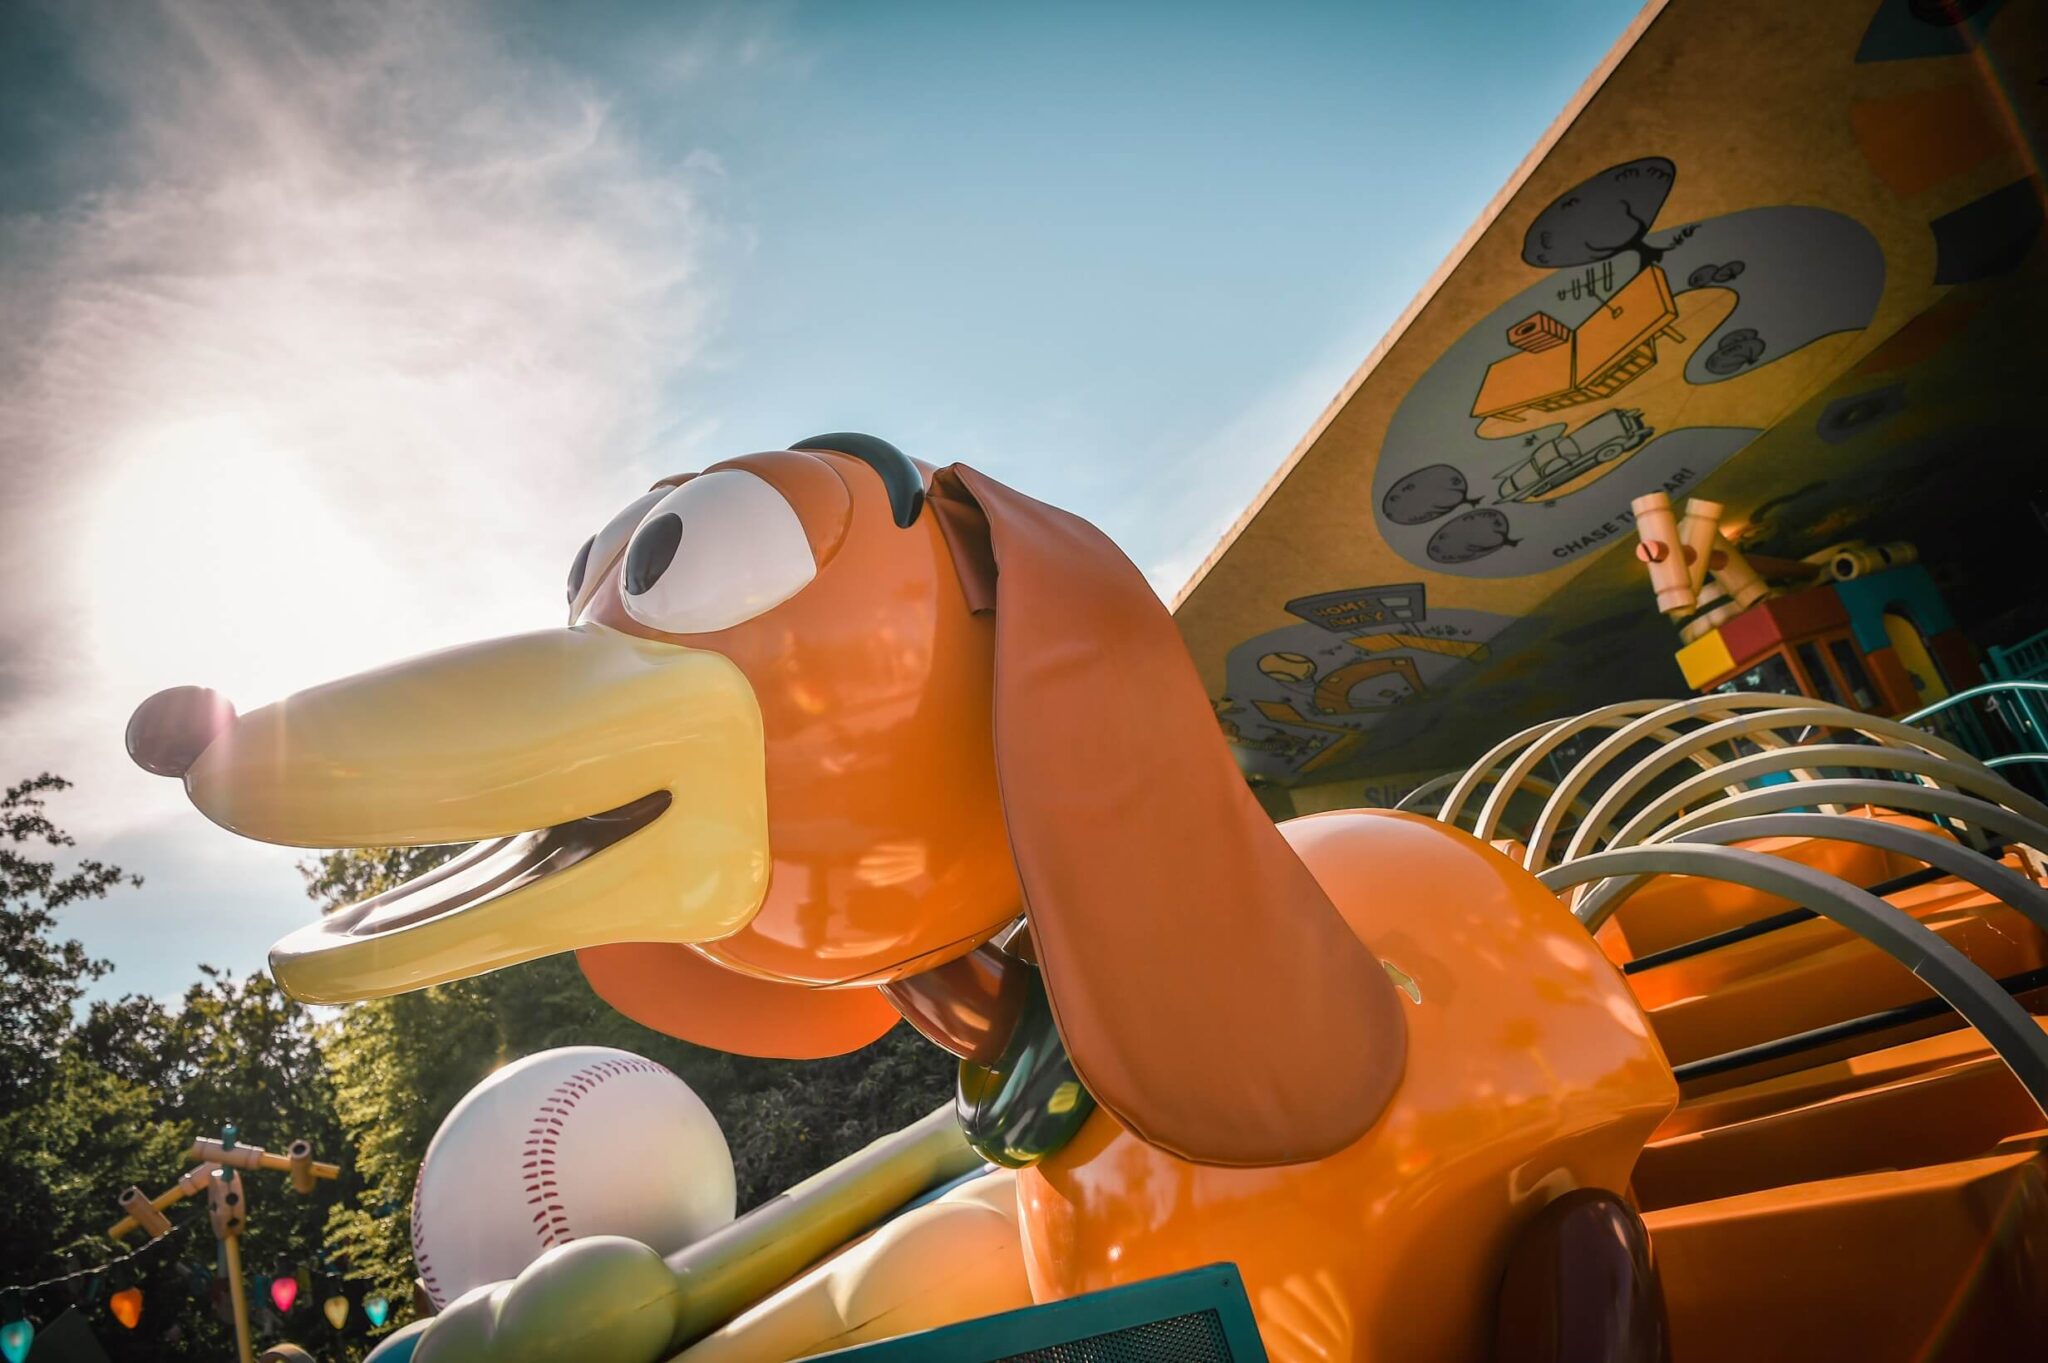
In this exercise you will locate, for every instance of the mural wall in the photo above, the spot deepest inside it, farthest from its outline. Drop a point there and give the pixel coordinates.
(1523, 445)
(1302, 699)
(1786, 257)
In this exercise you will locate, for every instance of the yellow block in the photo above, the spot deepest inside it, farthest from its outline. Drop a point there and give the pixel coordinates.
(1704, 659)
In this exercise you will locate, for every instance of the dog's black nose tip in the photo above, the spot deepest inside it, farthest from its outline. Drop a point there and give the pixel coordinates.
(168, 731)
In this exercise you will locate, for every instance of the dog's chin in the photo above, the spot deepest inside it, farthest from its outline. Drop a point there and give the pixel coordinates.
(631, 873)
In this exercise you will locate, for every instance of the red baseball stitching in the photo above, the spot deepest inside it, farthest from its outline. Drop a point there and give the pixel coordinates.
(537, 1165)
(551, 1222)
(419, 1250)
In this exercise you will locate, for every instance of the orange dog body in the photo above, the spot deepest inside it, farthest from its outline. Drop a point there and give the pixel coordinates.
(1531, 1071)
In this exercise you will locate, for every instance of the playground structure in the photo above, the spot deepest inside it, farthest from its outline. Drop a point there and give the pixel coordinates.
(1874, 634)
(216, 1174)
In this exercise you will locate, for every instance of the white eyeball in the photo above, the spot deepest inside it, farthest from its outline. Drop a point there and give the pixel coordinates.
(594, 559)
(720, 549)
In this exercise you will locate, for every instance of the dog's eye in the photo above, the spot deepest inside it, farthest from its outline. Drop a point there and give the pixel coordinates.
(595, 558)
(578, 568)
(720, 549)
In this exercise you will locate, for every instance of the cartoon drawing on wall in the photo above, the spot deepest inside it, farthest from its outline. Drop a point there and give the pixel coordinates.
(1848, 417)
(1608, 214)
(1360, 687)
(1303, 698)
(1557, 367)
(1632, 366)
(1399, 603)
(1290, 748)
(1425, 494)
(1471, 536)
(1561, 459)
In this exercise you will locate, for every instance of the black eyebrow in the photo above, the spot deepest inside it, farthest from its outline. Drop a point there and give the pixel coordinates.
(900, 477)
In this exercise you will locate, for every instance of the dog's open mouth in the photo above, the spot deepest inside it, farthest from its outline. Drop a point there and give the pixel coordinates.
(495, 868)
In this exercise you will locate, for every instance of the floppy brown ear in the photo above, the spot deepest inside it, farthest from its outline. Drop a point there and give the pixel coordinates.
(1208, 992)
(675, 990)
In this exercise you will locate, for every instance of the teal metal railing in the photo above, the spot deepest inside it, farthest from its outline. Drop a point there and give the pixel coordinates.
(2003, 724)
(2026, 660)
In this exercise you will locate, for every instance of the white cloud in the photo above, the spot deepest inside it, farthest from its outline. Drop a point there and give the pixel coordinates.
(369, 327)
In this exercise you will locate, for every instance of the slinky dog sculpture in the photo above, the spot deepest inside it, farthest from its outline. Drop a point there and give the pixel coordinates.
(834, 738)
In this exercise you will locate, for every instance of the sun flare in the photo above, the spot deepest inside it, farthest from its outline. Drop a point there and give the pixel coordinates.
(210, 558)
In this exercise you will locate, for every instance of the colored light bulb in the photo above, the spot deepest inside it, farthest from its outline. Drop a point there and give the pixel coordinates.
(126, 1306)
(15, 1336)
(377, 1307)
(284, 1291)
(336, 1308)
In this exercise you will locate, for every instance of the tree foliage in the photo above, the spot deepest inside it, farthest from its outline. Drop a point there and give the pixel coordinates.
(45, 978)
(101, 1097)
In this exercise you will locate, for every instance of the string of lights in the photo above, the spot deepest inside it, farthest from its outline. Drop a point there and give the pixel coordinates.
(95, 1270)
(218, 1180)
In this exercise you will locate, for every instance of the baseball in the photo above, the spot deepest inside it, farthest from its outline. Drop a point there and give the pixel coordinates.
(585, 1140)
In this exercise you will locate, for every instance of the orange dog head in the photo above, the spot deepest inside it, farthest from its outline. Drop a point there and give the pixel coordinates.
(825, 719)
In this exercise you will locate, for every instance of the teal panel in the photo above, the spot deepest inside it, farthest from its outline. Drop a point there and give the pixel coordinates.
(1910, 588)
(1200, 1316)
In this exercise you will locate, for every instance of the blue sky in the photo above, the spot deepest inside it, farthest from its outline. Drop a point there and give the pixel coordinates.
(332, 332)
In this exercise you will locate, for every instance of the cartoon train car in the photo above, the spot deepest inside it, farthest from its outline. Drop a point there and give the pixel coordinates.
(1554, 463)
(1556, 367)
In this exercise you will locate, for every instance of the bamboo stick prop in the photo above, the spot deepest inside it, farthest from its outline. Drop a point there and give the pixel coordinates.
(731, 1269)
(238, 1156)
(217, 1173)
(1696, 532)
(191, 1183)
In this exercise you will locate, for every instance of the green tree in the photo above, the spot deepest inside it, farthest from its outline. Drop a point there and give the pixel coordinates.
(113, 1095)
(45, 978)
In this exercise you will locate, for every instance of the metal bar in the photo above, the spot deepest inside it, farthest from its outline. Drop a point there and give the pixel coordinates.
(2010, 1030)
(1983, 815)
(1987, 689)
(1942, 856)
(1967, 775)
(1888, 736)
(1818, 1037)
(1763, 927)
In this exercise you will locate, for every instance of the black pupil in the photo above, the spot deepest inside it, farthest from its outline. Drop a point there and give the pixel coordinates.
(579, 568)
(653, 548)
